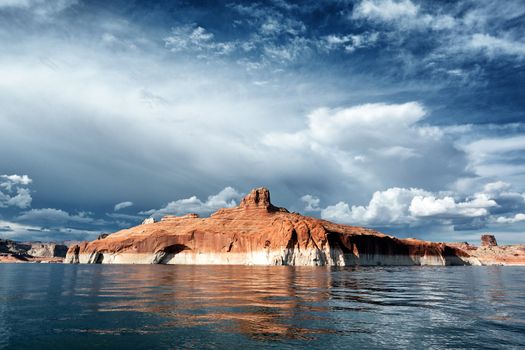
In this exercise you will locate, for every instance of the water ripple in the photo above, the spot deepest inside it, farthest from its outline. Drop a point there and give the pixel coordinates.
(213, 307)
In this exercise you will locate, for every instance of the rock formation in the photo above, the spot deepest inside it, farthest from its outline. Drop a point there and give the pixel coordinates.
(488, 241)
(490, 253)
(47, 250)
(11, 247)
(259, 233)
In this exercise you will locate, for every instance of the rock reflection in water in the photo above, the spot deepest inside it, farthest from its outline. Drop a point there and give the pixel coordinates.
(257, 301)
(210, 307)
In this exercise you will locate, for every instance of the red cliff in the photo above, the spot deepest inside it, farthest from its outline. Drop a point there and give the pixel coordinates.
(259, 233)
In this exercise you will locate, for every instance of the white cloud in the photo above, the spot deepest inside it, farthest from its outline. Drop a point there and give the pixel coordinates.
(194, 38)
(385, 208)
(17, 179)
(362, 141)
(340, 213)
(10, 181)
(402, 13)
(497, 145)
(122, 205)
(427, 206)
(226, 198)
(430, 205)
(349, 42)
(493, 157)
(494, 46)
(511, 220)
(386, 10)
(312, 202)
(457, 35)
(333, 125)
(276, 25)
(15, 195)
(22, 199)
(496, 188)
(334, 40)
(286, 52)
(189, 37)
(417, 207)
(268, 21)
(271, 38)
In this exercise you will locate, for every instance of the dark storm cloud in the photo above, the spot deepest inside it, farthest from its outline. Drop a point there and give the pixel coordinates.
(166, 105)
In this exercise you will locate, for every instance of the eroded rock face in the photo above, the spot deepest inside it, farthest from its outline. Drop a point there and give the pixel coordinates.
(259, 233)
(488, 241)
(47, 250)
(259, 198)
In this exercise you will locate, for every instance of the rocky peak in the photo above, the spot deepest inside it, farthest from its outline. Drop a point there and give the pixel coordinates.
(488, 241)
(259, 198)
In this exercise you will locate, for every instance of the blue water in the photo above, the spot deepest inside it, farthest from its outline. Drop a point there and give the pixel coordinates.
(242, 307)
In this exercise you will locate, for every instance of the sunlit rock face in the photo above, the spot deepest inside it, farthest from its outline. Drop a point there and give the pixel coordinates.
(259, 233)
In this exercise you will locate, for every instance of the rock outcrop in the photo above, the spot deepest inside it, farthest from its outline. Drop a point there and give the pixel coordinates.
(489, 253)
(12, 247)
(488, 241)
(259, 233)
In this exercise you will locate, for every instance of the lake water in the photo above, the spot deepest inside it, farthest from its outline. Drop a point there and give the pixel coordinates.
(243, 307)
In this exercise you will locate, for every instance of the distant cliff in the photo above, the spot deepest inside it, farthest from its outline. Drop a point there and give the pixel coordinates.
(12, 251)
(490, 253)
(259, 233)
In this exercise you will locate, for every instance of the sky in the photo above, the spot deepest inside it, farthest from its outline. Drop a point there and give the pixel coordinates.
(404, 116)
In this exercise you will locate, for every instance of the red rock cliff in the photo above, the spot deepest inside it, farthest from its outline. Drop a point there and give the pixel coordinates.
(257, 232)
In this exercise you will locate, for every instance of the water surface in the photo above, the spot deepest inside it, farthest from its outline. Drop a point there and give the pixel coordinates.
(243, 307)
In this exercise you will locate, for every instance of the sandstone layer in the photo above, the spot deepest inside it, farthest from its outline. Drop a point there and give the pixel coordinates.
(259, 233)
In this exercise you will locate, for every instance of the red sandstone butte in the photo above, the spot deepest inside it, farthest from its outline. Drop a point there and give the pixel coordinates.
(259, 233)
(488, 241)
